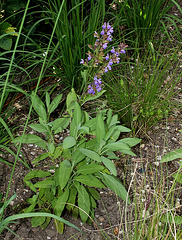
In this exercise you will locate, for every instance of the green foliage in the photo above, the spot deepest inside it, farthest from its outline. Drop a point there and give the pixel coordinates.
(74, 30)
(143, 90)
(142, 19)
(81, 163)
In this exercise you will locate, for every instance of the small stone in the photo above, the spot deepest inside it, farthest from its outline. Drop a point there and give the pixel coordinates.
(101, 219)
(32, 153)
(142, 145)
(174, 139)
(156, 163)
(30, 145)
(48, 237)
(158, 158)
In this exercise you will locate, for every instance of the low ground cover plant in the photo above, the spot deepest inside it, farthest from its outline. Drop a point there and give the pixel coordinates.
(81, 163)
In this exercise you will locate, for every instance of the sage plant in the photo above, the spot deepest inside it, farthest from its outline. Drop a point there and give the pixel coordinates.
(101, 57)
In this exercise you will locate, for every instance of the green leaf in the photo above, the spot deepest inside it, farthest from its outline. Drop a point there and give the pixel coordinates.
(64, 173)
(95, 96)
(77, 157)
(83, 202)
(173, 155)
(45, 183)
(40, 214)
(114, 120)
(51, 147)
(128, 152)
(77, 114)
(117, 146)
(37, 221)
(6, 43)
(91, 154)
(39, 106)
(100, 128)
(47, 100)
(60, 124)
(41, 157)
(109, 115)
(59, 226)
(115, 185)
(93, 202)
(94, 193)
(69, 142)
(31, 138)
(130, 141)
(109, 164)
(72, 198)
(36, 173)
(178, 177)
(57, 153)
(123, 129)
(60, 203)
(90, 181)
(39, 128)
(90, 168)
(71, 97)
(54, 104)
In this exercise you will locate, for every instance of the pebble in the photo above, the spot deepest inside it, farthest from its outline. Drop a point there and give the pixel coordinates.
(101, 219)
(32, 153)
(30, 145)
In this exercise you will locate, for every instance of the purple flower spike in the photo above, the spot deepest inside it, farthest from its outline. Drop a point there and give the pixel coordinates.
(110, 62)
(104, 45)
(99, 89)
(108, 26)
(109, 67)
(82, 61)
(104, 26)
(95, 34)
(123, 51)
(89, 57)
(117, 59)
(102, 32)
(105, 70)
(107, 57)
(112, 50)
(91, 91)
(117, 54)
(109, 38)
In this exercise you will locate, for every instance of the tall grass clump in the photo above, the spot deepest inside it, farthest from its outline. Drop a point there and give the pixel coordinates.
(74, 30)
(143, 20)
(141, 90)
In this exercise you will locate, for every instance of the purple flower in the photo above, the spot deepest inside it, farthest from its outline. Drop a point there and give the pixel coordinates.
(91, 90)
(110, 31)
(89, 57)
(109, 67)
(112, 50)
(95, 78)
(123, 51)
(104, 26)
(117, 59)
(108, 26)
(99, 88)
(117, 54)
(82, 61)
(105, 45)
(95, 34)
(102, 32)
(107, 56)
(110, 62)
(105, 70)
(109, 38)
